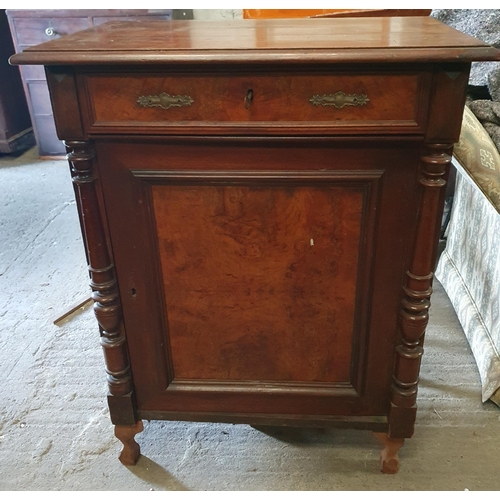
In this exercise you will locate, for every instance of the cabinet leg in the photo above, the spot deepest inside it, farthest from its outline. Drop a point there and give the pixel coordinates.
(131, 450)
(389, 459)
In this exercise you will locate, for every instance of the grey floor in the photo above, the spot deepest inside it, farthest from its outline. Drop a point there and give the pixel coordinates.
(55, 433)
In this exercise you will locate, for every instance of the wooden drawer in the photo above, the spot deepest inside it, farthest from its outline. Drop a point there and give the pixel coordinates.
(29, 31)
(98, 20)
(378, 101)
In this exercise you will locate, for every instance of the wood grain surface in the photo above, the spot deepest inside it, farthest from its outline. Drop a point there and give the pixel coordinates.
(131, 172)
(260, 283)
(220, 96)
(241, 41)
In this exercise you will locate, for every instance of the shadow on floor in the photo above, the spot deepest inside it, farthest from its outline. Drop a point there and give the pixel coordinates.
(156, 475)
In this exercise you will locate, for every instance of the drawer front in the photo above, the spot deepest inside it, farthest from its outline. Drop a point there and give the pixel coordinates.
(136, 17)
(32, 31)
(367, 100)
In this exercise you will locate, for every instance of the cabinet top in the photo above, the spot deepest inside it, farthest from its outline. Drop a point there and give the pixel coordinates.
(343, 40)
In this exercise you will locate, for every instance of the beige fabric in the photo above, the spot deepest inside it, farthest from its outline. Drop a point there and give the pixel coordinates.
(479, 157)
(469, 270)
(469, 267)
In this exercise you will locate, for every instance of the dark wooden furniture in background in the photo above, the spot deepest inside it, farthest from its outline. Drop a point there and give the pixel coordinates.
(16, 132)
(31, 27)
(261, 205)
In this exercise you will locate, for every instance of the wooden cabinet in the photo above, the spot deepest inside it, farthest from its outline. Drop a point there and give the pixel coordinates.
(261, 205)
(32, 27)
(16, 132)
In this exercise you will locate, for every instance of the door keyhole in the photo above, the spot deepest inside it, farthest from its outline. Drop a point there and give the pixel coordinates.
(248, 98)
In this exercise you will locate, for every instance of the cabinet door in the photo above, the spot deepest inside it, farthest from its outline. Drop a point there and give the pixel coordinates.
(260, 277)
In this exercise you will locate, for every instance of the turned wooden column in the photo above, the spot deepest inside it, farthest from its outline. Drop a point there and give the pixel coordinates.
(444, 121)
(414, 313)
(415, 304)
(106, 298)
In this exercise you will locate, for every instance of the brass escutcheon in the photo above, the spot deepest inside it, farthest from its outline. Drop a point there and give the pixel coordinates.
(339, 100)
(165, 101)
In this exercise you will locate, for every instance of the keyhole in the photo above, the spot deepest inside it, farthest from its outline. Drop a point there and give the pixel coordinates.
(133, 292)
(248, 98)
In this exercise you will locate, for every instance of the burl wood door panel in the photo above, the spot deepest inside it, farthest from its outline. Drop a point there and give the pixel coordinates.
(259, 282)
(262, 292)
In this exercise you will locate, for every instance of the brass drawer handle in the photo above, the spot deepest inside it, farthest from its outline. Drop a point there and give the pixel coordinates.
(339, 100)
(165, 101)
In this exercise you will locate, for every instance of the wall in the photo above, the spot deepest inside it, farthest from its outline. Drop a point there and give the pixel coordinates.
(214, 14)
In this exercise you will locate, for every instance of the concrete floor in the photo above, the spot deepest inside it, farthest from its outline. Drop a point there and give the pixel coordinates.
(55, 433)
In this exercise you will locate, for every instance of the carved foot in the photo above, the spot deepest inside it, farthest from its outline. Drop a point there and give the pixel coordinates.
(131, 450)
(389, 459)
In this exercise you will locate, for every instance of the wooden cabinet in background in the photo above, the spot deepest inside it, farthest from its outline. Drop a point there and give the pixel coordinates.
(261, 204)
(32, 27)
(16, 132)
